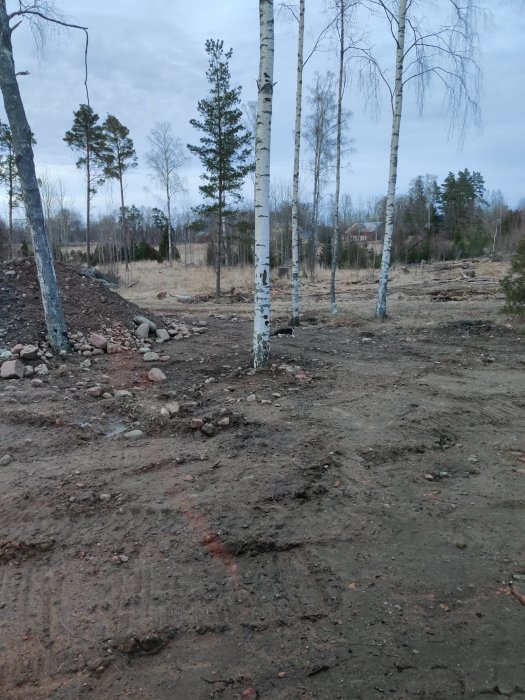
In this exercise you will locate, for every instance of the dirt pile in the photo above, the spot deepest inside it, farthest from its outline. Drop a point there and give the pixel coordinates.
(89, 305)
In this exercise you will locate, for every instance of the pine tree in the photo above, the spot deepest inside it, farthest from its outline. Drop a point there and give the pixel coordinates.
(9, 179)
(86, 136)
(224, 149)
(118, 156)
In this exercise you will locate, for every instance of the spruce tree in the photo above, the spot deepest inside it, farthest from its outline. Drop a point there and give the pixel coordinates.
(225, 145)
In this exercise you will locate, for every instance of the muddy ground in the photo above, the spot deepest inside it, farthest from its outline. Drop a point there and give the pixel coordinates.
(351, 533)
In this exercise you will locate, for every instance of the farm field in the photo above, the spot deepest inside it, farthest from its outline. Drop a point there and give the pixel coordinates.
(351, 527)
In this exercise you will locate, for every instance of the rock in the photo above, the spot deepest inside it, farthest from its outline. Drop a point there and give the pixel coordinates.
(210, 380)
(107, 395)
(141, 320)
(134, 435)
(143, 330)
(36, 382)
(164, 358)
(196, 423)
(5, 460)
(172, 408)
(209, 429)
(122, 394)
(144, 350)
(156, 375)
(98, 351)
(28, 371)
(12, 369)
(113, 348)
(150, 357)
(41, 370)
(104, 497)
(98, 341)
(16, 348)
(251, 398)
(5, 355)
(162, 335)
(29, 352)
(85, 364)
(223, 422)
(95, 391)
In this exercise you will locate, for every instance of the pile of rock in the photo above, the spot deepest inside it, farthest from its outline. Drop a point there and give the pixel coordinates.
(24, 361)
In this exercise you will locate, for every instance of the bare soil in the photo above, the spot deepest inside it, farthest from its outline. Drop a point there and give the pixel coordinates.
(356, 531)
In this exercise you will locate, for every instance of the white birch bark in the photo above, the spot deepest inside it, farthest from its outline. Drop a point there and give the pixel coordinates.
(394, 148)
(22, 137)
(296, 161)
(335, 232)
(261, 320)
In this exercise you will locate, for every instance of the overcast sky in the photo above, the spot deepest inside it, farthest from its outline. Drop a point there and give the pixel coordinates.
(147, 64)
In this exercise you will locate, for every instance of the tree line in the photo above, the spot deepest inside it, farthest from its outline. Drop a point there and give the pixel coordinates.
(445, 53)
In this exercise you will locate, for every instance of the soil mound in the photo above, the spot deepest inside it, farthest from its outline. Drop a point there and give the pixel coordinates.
(89, 304)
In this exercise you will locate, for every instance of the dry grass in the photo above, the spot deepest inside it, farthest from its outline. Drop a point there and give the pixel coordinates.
(356, 289)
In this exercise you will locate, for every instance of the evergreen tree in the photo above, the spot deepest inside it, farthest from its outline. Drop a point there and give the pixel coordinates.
(86, 136)
(10, 180)
(118, 156)
(225, 145)
(461, 202)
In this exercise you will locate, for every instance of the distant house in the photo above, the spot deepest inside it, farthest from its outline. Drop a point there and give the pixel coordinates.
(366, 232)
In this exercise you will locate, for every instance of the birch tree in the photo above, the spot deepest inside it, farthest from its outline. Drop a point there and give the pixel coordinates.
(447, 53)
(320, 135)
(342, 10)
(165, 158)
(22, 145)
(261, 320)
(296, 162)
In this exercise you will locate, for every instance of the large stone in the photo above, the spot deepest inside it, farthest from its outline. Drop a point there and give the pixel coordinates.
(95, 391)
(209, 429)
(29, 352)
(41, 370)
(156, 375)
(134, 435)
(98, 341)
(143, 330)
(12, 369)
(172, 408)
(150, 357)
(162, 335)
(5, 355)
(139, 320)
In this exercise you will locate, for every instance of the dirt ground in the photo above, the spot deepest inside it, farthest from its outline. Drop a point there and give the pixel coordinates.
(354, 532)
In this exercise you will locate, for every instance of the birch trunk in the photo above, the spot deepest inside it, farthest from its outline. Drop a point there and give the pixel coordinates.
(261, 320)
(21, 132)
(335, 232)
(394, 148)
(295, 187)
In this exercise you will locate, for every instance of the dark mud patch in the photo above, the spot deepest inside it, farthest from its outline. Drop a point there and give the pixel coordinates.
(13, 551)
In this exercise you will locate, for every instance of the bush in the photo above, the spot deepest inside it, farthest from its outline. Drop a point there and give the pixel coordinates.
(514, 284)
